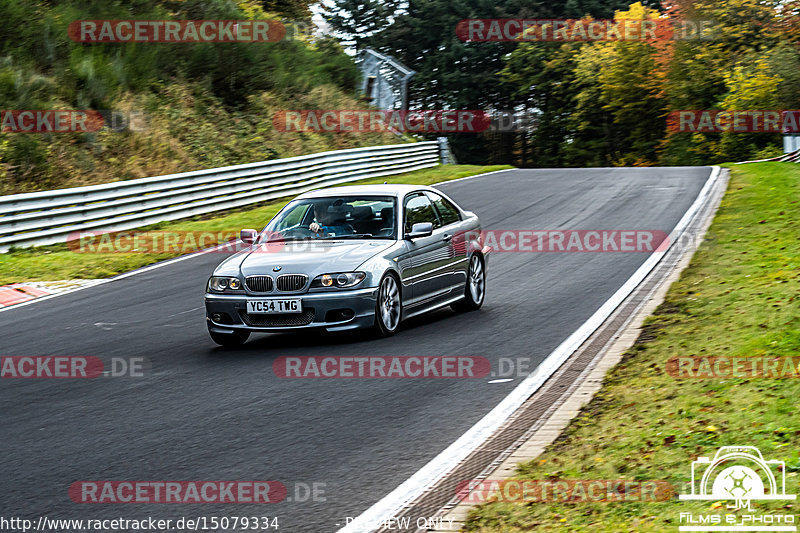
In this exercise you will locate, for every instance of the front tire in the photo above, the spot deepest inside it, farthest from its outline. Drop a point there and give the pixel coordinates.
(388, 307)
(474, 288)
(230, 340)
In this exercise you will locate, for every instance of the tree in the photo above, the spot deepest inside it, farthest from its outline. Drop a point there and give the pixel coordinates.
(453, 74)
(293, 9)
(355, 22)
(703, 75)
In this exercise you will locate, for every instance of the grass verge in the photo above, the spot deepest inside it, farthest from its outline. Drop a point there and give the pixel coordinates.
(57, 262)
(739, 297)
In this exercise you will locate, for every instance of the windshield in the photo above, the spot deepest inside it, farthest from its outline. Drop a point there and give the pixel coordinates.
(334, 217)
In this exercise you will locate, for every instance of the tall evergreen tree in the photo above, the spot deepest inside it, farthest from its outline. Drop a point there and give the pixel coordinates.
(356, 22)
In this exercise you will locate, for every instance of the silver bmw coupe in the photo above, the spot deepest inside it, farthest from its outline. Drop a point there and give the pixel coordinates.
(350, 257)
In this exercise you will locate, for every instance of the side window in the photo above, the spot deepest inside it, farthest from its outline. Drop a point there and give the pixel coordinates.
(294, 216)
(447, 211)
(419, 209)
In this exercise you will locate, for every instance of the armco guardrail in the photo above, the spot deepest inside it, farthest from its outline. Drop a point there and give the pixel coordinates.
(48, 217)
(791, 157)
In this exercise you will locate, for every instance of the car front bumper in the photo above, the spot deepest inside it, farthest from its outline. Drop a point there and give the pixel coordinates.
(321, 310)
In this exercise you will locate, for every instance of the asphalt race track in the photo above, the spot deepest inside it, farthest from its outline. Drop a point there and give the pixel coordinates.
(208, 413)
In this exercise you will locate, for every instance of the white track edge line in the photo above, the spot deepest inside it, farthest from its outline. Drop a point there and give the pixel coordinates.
(475, 176)
(443, 463)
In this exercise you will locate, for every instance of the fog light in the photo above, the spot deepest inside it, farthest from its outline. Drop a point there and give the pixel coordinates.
(339, 315)
(216, 317)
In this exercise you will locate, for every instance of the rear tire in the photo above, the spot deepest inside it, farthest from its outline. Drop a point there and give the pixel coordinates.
(474, 288)
(230, 340)
(388, 307)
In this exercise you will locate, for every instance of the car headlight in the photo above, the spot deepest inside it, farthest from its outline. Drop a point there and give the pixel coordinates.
(338, 280)
(223, 283)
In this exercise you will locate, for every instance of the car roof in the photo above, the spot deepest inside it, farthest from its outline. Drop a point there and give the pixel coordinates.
(390, 189)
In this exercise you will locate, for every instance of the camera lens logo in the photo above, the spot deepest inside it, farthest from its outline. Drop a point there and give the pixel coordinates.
(738, 482)
(738, 474)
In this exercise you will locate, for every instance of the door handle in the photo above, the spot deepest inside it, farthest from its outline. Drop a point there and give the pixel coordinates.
(446, 237)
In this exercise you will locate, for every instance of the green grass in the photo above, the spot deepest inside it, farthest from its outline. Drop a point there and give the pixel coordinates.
(740, 296)
(57, 262)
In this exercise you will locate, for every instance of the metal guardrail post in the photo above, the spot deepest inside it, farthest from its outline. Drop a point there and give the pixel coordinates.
(445, 155)
(791, 143)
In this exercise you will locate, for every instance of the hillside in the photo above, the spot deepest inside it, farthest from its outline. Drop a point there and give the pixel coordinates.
(194, 105)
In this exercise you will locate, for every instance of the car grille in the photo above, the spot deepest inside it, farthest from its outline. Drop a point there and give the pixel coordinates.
(291, 282)
(279, 321)
(259, 283)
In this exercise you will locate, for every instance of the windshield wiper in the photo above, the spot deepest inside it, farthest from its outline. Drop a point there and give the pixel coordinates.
(291, 239)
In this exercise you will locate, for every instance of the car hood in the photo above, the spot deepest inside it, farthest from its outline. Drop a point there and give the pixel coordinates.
(307, 257)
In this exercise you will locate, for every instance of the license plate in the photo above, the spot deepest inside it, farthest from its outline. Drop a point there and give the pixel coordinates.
(274, 306)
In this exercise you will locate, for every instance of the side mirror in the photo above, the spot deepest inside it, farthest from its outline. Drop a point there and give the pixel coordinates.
(248, 236)
(420, 229)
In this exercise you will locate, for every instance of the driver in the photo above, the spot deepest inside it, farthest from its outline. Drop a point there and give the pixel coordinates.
(330, 219)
